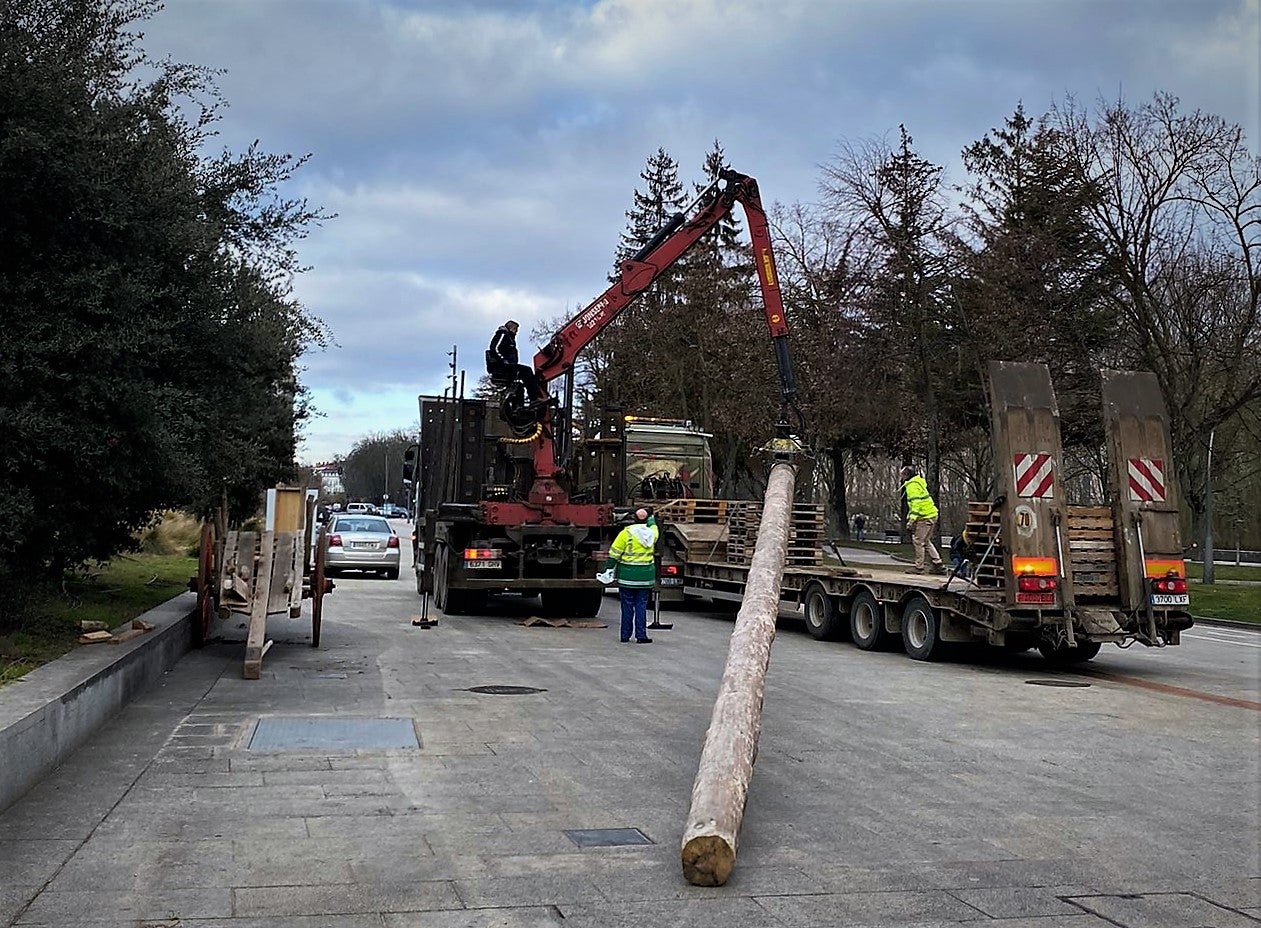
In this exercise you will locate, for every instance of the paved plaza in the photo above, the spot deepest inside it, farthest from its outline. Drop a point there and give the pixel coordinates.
(886, 792)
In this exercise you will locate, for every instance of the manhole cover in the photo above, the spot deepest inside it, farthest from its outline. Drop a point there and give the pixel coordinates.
(330, 734)
(498, 689)
(607, 837)
(1057, 683)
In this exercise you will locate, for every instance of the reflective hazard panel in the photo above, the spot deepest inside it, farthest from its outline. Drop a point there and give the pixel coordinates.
(1146, 478)
(1035, 475)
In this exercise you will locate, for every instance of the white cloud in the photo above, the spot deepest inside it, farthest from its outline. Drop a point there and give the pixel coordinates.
(481, 155)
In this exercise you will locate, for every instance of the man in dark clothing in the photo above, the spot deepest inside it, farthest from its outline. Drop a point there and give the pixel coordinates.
(502, 361)
(860, 522)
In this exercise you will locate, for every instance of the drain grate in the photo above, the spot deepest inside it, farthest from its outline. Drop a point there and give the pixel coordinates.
(607, 837)
(332, 734)
(1077, 683)
(498, 689)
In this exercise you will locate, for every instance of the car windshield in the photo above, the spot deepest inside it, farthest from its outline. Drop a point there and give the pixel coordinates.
(363, 524)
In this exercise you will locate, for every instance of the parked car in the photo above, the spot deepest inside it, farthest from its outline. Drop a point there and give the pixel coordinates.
(392, 511)
(363, 509)
(362, 542)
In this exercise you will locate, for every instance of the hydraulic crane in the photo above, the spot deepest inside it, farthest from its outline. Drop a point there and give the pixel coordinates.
(547, 501)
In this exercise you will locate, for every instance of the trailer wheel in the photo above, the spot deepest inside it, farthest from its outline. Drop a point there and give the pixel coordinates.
(921, 629)
(822, 622)
(866, 621)
(318, 575)
(1062, 655)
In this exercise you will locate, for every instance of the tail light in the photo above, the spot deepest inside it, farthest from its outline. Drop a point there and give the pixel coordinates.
(670, 570)
(1169, 585)
(334, 541)
(1165, 567)
(1033, 585)
(393, 542)
(1038, 566)
(482, 554)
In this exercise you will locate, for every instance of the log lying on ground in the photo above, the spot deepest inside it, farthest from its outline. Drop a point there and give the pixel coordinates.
(726, 767)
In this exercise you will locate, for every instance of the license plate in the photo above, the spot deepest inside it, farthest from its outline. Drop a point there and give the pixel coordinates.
(363, 544)
(671, 581)
(484, 565)
(1171, 599)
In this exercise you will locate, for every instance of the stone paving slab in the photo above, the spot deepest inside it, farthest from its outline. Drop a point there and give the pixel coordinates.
(887, 793)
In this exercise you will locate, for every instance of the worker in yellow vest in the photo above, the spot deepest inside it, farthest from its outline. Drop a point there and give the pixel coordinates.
(632, 563)
(921, 520)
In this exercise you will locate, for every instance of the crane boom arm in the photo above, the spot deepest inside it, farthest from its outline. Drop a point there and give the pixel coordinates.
(638, 273)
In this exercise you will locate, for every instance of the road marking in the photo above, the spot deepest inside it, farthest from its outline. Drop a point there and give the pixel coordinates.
(1169, 689)
(1237, 642)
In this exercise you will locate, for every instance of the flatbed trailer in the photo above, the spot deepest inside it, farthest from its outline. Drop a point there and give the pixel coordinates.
(1066, 579)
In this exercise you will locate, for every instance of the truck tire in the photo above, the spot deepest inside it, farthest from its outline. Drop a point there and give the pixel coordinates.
(586, 603)
(866, 622)
(1062, 655)
(921, 629)
(819, 608)
(560, 603)
(448, 601)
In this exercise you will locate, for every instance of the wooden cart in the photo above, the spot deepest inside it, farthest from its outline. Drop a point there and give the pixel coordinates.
(258, 574)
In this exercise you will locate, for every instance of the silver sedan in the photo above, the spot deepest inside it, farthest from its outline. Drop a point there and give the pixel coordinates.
(358, 542)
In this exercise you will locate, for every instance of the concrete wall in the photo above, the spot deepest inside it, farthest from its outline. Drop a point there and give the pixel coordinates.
(47, 714)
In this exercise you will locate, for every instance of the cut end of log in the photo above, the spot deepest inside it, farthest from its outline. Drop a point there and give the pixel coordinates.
(708, 860)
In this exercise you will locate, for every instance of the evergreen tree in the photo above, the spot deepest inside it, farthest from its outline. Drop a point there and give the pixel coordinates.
(1035, 284)
(149, 359)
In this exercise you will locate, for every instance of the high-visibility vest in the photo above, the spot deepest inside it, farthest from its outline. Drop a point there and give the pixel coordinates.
(919, 503)
(632, 557)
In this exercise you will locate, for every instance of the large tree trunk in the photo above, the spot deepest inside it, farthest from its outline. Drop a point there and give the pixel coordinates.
(726, 767)
(840, 503)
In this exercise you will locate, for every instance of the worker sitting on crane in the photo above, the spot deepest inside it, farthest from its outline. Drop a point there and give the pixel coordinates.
(502, 363)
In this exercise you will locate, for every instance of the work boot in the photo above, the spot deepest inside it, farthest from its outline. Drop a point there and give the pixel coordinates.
(939, 568)
(643, 641)
(916, 570)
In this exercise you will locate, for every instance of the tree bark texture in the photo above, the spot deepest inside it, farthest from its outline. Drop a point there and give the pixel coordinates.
(726, 767)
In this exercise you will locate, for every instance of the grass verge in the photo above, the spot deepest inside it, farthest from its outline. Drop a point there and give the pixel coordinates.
(1231, 602)
(1225, 572)
(126, 587)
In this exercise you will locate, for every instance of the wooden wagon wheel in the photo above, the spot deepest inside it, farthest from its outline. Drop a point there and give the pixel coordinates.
(205, 586)
(317, 587)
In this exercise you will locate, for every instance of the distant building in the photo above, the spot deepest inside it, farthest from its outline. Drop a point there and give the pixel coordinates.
(330, 474)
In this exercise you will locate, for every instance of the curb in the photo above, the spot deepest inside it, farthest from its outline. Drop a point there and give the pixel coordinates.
(50, 712)
(1226, 623)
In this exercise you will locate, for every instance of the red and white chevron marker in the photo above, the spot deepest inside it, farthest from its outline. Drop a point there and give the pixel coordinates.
(1147, 480)
(1035, 475)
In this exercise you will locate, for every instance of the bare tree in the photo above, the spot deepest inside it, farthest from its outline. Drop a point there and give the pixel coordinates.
(1180, 213)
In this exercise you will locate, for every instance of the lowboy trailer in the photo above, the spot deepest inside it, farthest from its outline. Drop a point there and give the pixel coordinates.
(1066, 579)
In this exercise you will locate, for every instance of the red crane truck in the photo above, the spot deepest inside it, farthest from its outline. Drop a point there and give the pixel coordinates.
(496, 510)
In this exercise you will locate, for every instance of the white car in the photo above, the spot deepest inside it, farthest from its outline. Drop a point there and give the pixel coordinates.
(357, 542)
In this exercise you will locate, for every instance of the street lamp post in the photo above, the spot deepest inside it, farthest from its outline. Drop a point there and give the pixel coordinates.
(1208, 512)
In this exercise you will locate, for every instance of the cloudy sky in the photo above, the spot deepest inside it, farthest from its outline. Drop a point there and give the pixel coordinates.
(481, 154)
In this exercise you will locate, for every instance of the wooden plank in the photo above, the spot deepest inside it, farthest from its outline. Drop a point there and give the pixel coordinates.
(1097, 512)
(1092, 545)
(281, 573)
(258, 610)
(126, 635)
(290, 506)
(297, 567)
(95, 637)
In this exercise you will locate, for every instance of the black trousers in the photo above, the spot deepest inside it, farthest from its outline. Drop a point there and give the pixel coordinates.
(518, 372)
